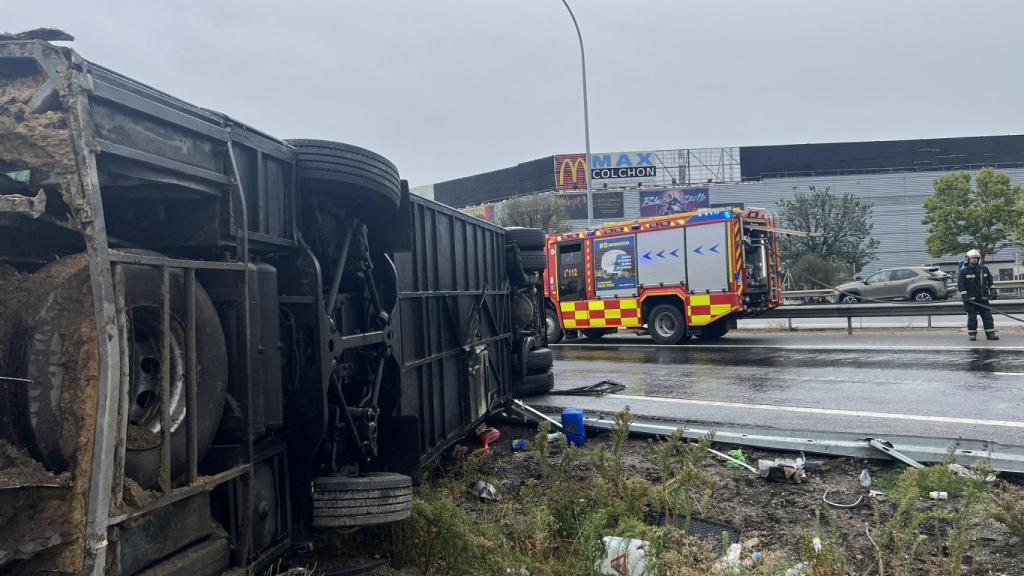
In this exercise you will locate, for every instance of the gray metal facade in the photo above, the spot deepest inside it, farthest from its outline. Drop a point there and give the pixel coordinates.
(897, 198)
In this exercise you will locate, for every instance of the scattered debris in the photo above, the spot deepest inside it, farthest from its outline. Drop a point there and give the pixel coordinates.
(518, 444)
(816, 544)
(889, 449)
(572, 425)
(731, 560)
(624, 556)
(600, 389)
(876, 495)
(739, 458)
(486, 435)
(937, 495)
(733, 461)
(824, 498)
(865, 478)
(484, 490)
(797, 570)
(712, 531)
(964, 472)
(789, 470)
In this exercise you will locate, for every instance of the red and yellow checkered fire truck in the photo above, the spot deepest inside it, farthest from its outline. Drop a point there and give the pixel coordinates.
(679, 276)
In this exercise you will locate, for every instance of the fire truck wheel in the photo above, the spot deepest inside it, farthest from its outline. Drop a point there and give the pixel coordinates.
(533, 260)
(525, 238)
(534, 385)
(714, 331)
(666, 324)
(554, 328)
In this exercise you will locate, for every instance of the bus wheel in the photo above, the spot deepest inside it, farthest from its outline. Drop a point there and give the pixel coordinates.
(666, 324)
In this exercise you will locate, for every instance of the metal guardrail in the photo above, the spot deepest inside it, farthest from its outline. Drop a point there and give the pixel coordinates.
(851, 311)
(999, 285)
(948, 308)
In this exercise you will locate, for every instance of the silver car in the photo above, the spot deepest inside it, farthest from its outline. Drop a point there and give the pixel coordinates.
(919, 283)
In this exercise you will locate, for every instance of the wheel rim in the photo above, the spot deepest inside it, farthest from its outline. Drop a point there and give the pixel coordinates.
(145, 368)
(551, 326)
(849, 299)
(665, 325)
(923, 297)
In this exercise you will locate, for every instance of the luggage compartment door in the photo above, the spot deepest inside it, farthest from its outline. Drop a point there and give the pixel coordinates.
(707, 257)
(661, 257)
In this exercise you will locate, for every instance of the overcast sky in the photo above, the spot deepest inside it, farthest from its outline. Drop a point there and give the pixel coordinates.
(450, 88)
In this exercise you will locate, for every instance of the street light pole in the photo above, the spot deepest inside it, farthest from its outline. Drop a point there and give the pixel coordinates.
(586, 117)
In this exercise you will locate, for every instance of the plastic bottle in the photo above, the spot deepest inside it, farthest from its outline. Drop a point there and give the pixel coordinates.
(518, 444)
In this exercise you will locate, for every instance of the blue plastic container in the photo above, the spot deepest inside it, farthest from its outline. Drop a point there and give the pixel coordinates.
(572, 426)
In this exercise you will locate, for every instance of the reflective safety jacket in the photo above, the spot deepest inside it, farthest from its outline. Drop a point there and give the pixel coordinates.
(974, 281)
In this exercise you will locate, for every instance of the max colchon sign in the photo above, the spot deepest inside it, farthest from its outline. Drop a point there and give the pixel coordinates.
(571, 169)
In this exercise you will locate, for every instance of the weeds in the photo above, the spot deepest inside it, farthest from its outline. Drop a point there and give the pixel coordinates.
(1007, 508)
(552, 523)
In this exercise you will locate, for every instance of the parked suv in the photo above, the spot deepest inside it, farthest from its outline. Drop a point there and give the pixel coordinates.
(920, 283)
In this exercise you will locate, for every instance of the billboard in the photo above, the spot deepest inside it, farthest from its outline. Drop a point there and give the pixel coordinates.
(672, 201)
(571, 172)
(575, 206)
(636, 167)
(615, 266)
(608, 205)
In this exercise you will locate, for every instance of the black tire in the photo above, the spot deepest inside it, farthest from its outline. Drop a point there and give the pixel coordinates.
(923, 295)
(713, 331)
(539, 360)
(526, 238)
(533, 385)
(849, 299)
(361, 174)
(666, 324)
(64, 307)
(533, 260)
(553, 325)
(366, 500)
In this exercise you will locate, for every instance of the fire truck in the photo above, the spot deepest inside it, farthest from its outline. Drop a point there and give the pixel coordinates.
(680, 276)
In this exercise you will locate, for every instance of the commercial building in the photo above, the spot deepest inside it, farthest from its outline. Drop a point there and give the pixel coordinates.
(895, 176)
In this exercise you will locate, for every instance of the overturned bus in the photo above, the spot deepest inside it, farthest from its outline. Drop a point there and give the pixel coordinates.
(214, 342)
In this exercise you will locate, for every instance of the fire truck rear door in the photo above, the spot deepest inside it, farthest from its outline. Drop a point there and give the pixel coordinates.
(707, 257)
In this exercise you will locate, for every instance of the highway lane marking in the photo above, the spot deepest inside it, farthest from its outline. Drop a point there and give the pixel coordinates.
(807, 346)
(825, 411)
(1008, 373)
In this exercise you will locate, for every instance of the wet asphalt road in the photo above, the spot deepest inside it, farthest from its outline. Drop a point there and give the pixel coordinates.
(927, 383)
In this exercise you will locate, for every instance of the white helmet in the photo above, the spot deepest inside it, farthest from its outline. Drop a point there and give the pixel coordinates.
(972, 253)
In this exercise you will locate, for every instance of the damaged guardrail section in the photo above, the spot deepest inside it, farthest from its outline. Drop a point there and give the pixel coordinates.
(1000, 457)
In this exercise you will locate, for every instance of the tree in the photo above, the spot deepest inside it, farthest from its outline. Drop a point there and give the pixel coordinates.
(841, 227)
(985, 217)
(812, 272)
(544, 211)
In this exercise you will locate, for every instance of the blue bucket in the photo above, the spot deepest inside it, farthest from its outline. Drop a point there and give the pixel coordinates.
(572, 426)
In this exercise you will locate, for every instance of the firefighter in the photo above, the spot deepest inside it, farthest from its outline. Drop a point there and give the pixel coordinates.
(974, 281)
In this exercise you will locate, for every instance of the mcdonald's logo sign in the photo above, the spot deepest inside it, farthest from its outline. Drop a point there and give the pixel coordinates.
(570, 172)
